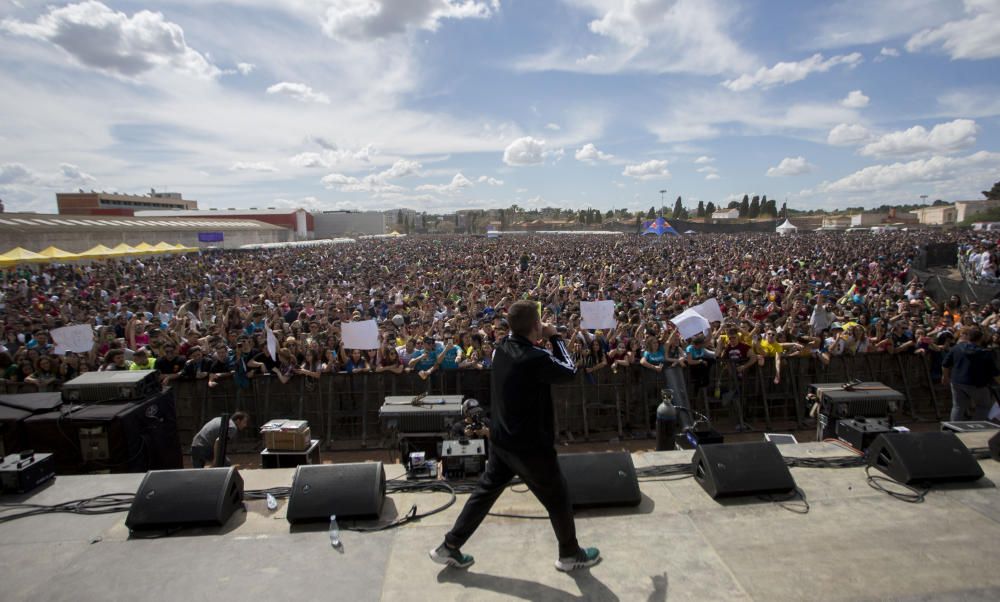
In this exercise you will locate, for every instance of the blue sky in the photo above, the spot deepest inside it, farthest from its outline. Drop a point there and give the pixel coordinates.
(440, 105)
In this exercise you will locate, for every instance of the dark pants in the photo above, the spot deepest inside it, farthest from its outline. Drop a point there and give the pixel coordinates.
(204, 455)
(540, 472)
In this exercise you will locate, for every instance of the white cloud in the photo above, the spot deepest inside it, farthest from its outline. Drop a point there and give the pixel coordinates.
(650, 170)
(707, 169)
(457, 185)
(942, 138)
(16, 173)
(374, 19)
(262, 166)
(843, 23)
(555, 127)
(309, 160)
(790, 166)
(848, 133)
(489, 181)
(525, 151)
(855, 99)
(718, 112)
(72, 173)
(333, 156)
(712, 176)
(245, 68)
(788, 72)
(889, 52)
(589, 154)
(298, 91)
(114, 43)
(976, 37)
(704, 159)
(376, 182)
(657, 36)
(937, 168)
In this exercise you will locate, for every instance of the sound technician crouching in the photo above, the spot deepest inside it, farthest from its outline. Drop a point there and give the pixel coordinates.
(205, 446)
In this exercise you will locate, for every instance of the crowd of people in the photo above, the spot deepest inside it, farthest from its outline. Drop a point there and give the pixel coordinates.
(440, 304)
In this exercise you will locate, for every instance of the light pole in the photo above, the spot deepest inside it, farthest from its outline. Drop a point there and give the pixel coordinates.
(662, 192)
(923, 199)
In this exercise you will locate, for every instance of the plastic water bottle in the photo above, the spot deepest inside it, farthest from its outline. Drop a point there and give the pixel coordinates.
(272, 502)
(334, 531)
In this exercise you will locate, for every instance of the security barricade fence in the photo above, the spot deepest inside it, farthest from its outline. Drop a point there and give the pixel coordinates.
(343, 409)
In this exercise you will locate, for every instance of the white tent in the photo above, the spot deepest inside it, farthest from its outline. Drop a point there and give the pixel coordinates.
(786, 228)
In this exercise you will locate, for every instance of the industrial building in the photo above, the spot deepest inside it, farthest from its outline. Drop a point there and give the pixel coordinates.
(36, 231)
(331, 224)
(297, 221)
(105, 203)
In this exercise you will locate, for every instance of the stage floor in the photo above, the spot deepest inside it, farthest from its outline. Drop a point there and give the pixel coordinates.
(855, 544)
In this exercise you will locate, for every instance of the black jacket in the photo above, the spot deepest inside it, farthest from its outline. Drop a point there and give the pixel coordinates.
(521, 404)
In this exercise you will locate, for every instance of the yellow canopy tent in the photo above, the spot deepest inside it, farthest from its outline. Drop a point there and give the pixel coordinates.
(21, 255)
(164, 247)
(98, 252)
(126, 250)
(145, 247)
(182, 249)
(57, 254)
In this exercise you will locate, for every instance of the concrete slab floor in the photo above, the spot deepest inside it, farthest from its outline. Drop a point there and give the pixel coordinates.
(855, 544)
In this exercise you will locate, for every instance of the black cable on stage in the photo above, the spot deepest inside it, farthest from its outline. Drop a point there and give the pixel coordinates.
(412, 514)
(108, 503)
(912, 495)
(261, 494)
(795, 496)
(838, 462)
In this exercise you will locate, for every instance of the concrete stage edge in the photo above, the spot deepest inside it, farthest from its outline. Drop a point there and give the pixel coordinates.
(855, 544)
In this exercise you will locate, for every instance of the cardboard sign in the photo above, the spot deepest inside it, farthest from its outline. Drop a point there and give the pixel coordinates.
(690, 323)
(597, 315)
(360, 335)
(78, 339)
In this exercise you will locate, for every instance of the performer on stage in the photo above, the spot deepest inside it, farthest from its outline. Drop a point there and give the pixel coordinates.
(523, 439)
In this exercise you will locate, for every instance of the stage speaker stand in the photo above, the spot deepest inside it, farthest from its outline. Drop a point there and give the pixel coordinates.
(600, 479)
(346, 490)
(734, 469)
(932, 457)
(193, 496)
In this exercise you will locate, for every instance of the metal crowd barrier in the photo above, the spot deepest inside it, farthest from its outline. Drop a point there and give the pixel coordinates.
(343, 408)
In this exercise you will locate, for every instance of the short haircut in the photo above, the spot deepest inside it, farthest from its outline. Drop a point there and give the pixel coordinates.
(522, 316)
(974, 334)
(239, 415)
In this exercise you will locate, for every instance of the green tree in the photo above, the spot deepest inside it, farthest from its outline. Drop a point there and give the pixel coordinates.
(678, 208)
(651, 214)
(993, 194)
(709, 209)
(700, 211)
(754, 208)
(745, 206)
(784, 210)
(610, 214)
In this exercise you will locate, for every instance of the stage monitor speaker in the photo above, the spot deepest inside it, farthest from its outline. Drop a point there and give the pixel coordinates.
(194, 496)
(345, 490)
(923, 457)
(600, 479)
(734, 469)
(995, 447)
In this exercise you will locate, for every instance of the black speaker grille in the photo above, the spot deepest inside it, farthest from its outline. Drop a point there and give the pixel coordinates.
(346, 490)
(168, 498)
